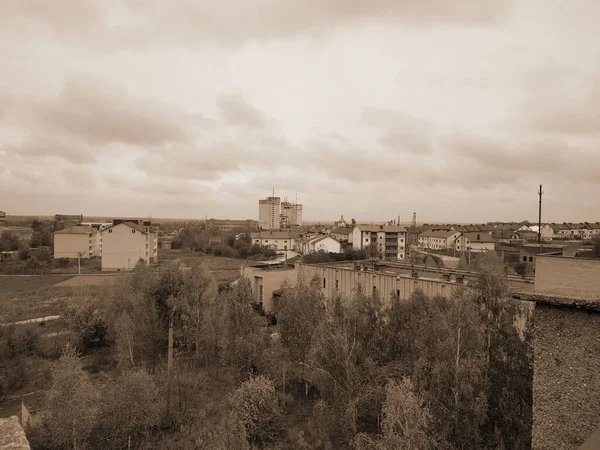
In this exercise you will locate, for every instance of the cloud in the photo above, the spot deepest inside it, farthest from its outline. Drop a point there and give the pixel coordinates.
(238, 112)
(64, 17)
(264, 19)
(406, 142)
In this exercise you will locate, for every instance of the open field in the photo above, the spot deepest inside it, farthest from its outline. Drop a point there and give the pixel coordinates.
(224, 270)
(15, 285)
(90, 280)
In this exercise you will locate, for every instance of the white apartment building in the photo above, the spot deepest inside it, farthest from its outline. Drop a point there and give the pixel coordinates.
(126, 243)
(475, 242)
(388, 240)
(75, 242)
(277, 240)
(269, 212)
(318, 243)
(438, 240)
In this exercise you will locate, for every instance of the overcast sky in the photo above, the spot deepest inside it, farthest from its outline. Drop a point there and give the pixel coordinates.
(457, 110)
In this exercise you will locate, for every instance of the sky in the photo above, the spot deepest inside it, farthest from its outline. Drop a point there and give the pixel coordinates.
(456, 110)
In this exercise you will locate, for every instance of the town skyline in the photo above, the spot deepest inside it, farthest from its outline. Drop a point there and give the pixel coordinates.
(372, 111)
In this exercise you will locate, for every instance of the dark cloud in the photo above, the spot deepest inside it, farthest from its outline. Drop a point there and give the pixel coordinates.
(64, 17)
(261, 19)
(237, 111)
(406, 142)
(101, 113)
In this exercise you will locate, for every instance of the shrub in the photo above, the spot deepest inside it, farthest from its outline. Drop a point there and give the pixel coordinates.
(87, 325)
(256, 405)
(63, 263)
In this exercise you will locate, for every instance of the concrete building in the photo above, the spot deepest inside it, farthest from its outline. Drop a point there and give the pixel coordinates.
(346, 278)
(276, 239)
(387, 240)
(126, 243)
(2, 218)
(438, 239)
(475, 242)
(291, 215)
(231, 225)
(318, 243)
(74, 242)
(269, 212)
(266, 281)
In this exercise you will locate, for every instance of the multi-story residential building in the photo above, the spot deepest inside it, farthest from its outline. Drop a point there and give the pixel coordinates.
(291, 215)
(387, 240)
(230, 224)
(325, 243)
(75, 242)
(126, 243)
(269, 213)
(475, 242)
(438, 239)
(98, 227)
(2, 218)
(276, 239)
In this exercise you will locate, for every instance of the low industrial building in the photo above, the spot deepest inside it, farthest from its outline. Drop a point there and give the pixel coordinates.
(266, 281)
(126, 243)
(75, 242)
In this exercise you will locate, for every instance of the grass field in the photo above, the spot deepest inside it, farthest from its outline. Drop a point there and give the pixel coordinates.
(225, 270)
(16, 285)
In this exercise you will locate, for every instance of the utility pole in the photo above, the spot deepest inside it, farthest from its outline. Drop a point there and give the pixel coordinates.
(540, 193)
(78, 263)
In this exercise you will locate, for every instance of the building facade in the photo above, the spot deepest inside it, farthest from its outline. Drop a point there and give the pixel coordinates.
(277, 240)
(76, 242)
(475, 242)
(266, 281)
(388, 241)
(318, 243)
(2, 218)
(126, 243)
(269, 212)
(438, 239)
(291, 215)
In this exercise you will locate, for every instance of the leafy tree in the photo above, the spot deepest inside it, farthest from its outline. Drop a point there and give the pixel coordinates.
(130, 409)
(596, 246)
(256, 406)
(70, 407)
(299, 314)
(199, 290)
(85, 321)
(9, 242)
(230, 433)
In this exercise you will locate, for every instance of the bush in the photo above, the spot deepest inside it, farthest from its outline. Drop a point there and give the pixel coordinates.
(63, 263)
(256, 405)
(520, 268)
(87, 325)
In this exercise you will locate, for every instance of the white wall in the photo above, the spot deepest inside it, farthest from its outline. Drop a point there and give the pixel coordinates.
(67, 245)
(121, 248)
(328, 245)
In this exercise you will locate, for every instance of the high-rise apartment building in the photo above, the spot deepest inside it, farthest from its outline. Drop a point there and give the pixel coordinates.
(269, 211)
(291, 214)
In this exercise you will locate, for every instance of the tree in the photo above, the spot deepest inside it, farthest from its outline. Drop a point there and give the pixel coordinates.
(70, 408)
(199, 290)
(130, 409)
(596, 246)
(256, 406)
(9, 242)
(299, 314)
(230, 433)
(85, 321)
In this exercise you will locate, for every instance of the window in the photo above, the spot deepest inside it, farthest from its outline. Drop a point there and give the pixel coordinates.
(110, 231)
(337, 285)
(257, 241)
(366, 239)
(324, 283)
(398, 293)
(531, 259)
(374, 290)
(132, 231)
(525, 258)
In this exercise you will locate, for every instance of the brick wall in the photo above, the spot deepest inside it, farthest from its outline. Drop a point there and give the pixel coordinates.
(572, 277)
(566, 379)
